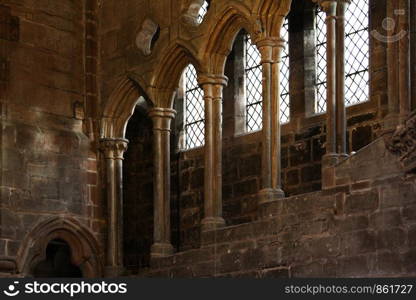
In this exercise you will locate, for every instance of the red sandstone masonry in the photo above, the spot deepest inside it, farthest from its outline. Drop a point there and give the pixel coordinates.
(306, 237)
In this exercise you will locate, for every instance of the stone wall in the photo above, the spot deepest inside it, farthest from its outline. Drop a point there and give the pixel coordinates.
(301, 162)
(59, 63)
(48, 167)
(363, 228)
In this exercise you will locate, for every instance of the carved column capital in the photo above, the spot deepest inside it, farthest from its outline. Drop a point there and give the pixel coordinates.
(162, 118)
(211, 79)
(270, 49)
(113, 148)
(329, 6)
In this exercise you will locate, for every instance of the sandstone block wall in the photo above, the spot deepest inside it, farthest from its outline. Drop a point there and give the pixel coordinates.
(48, 168)
(361, 229)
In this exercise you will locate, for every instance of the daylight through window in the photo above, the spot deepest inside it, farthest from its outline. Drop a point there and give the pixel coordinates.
(253, 78)
(194, 110)
(357, 48)
(203, 11)
(284, 77)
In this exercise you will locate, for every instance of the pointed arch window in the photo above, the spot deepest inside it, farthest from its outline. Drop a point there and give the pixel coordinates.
(284, 76)
(357, 58)
(194, 118)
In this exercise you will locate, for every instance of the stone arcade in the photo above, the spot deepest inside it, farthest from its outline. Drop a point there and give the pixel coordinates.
(222, 138)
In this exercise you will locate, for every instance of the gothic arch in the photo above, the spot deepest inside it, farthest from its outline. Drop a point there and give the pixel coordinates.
(120, 107)
(167, 75)
(85, 251)
(272, 14)
(224, 31)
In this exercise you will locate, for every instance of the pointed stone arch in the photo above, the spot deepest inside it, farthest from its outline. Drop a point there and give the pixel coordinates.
(85, 250)
(232, 20)
(120, 107)
(271, 14)
(167, 75)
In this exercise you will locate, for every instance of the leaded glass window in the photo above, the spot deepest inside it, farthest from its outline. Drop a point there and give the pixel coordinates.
(194, 110)
(253, 79)
(357, 57)
(320, 103)
(284, 77)
(203, 11)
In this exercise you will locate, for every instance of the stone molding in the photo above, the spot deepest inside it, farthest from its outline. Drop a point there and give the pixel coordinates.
(85, 250)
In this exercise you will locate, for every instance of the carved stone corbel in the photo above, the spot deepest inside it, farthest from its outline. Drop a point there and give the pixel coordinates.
(145, 36)
(190, 16)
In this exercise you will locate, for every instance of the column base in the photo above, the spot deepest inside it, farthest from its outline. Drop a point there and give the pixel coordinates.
(342, 156)
(113, 271)
(266, 196)
(161, 250)
(329, 162)
(212, 223)
(330, 159)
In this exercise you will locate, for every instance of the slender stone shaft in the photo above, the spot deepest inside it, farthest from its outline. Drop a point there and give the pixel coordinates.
(113, 150)
(162, 118)
(271, 188)
(330, 9)
(213, 87)
(340, 79)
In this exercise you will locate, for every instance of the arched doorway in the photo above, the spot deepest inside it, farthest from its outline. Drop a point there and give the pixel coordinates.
(58, 262)
(60, 247)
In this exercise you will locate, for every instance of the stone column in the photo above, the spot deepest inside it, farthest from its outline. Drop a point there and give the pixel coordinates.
(404, 60)
(331, 157)
(329, 6)
(398, 62)
(162, 118)
(412, 26)
(113, 150)
(340, 79)
(213, 86)
(271, 190)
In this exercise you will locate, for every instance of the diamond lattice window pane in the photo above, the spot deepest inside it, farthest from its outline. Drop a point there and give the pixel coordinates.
(357, 57)
(254, 86)
(195, 135)
(254, 90)
(284, 77)
(194, 110)
(357, 48)
(320, 32)
(254, 117)
(203, 11)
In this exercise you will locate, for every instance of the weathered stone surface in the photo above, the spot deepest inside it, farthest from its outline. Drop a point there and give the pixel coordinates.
(63, 62)
(361, 201)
